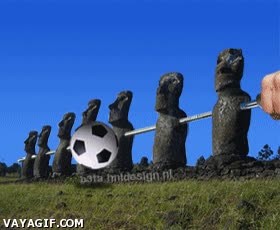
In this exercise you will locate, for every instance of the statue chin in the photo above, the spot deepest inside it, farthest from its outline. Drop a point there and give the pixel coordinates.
(41, 143)
(29, 149)
(62, 134)
(115, 121)
(161, 103)
(161, 110)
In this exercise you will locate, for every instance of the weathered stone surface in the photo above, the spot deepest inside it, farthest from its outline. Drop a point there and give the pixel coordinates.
(216, 167)
(89, 115)
(41, 165)
(236, 167)
(62, 158)
(119, 120)
(170, 137)
(28, 164)
(230, 124)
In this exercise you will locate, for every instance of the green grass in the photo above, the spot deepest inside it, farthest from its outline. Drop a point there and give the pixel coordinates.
(187, 204)
(9, 177)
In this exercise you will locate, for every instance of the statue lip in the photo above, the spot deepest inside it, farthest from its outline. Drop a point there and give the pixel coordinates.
(162, 96)
(113, 112)
(162, 110)
(225, 84)
(224, 70)
(43, 145)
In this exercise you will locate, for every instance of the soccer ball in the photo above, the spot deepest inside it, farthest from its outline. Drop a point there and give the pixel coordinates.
(94, 145)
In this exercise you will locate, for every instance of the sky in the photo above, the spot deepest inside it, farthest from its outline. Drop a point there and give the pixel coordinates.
(55, 56)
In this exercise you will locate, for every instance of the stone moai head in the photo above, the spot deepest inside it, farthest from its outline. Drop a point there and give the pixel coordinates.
(30, 142)
(91, 113)
(169, 91)
(120, 107)
(65, 125)
(229, 69)
(44, 136)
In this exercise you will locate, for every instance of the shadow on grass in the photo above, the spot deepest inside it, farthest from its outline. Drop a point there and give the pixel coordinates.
(93, 185)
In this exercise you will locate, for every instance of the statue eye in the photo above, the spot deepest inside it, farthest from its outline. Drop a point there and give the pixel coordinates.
(125, 98)
(122, 98)
(174, 81)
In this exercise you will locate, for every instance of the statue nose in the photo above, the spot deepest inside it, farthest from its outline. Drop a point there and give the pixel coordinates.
(60, 124)
(162, 89)
(113, 104)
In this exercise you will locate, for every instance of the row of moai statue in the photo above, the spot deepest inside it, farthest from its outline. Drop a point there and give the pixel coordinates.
(39, 167)
(230, 124)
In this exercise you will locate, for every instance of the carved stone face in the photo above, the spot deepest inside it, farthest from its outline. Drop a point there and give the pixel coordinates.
(91, 113)
(44, 136)
(169, 91)
(229, 69)
(120, 107)
(65, 125)
(30, 142)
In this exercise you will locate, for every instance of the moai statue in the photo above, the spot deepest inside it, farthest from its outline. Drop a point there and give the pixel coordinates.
(89, 116)
(62, 159)
(30, 142)
(41, 165)
(119, 120)
(230, 124)
(92, 111)
(169, 143)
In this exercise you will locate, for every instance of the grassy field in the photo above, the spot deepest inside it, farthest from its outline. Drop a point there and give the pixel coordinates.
(11, 177)
(187, 204)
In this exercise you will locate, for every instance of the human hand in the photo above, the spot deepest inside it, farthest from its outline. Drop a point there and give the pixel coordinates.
(270, 95)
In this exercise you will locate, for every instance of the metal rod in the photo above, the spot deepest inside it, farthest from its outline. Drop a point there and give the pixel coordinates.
(195, 117)
(34, 156)
(181, 121)
(23, 158)
(139, 131)
(249, 105)
(50, 152)
(243, 106)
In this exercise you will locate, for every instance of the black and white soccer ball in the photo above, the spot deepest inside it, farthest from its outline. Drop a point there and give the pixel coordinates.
(94, 145)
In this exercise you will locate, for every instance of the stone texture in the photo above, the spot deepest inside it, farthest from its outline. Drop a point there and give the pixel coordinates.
(62, 159)
(89, 115)
(28, 164)
(119, 120)
(230, 124)
(237, 167)
(170, 137)
(41, 165)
